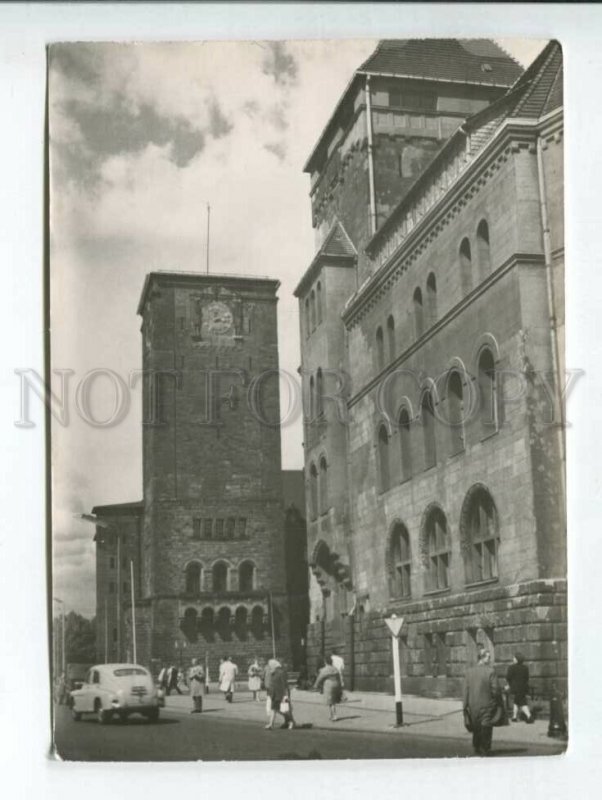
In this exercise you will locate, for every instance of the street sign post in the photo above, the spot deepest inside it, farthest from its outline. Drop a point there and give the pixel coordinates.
(394, 623)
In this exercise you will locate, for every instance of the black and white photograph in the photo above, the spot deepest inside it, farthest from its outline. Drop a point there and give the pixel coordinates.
(307, 299)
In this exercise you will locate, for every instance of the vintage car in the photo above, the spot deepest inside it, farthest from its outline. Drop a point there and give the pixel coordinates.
(116, 690)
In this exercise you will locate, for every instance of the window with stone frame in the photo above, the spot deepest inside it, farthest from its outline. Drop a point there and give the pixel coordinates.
(219, 528)
(405, 443)
(438, 551)
(488, 400)
(431, 298)
(193, 578)
(241, 528)
(246, 576)
(196, 528)
(230, 527)
(383, 459)
(400, 562)
(208, 528)
(220, 577)
(480, 537)
(313, 491)
(483, 249)
(323, 486)
(427, 417)
(418, 312)
(455, 410)
(380, 349)
(391, 337)
(465, 256)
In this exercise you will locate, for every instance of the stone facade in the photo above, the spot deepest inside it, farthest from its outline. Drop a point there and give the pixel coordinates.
(213, 578)
(433, 446)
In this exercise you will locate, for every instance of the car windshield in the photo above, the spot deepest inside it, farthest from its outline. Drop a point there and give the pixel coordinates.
(129, 671)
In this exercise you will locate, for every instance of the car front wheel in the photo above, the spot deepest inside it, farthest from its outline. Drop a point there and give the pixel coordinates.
(102, 716)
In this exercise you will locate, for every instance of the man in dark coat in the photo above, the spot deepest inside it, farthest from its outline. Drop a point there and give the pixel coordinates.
(481, 693)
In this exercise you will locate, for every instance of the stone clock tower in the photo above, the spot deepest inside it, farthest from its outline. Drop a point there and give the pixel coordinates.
(212, 550)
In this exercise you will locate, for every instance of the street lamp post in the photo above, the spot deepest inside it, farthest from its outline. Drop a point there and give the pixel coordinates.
(394, 624)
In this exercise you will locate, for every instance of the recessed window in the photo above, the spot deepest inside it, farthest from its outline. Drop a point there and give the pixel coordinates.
(418, 312)
(438, 551)
(246, 576)
(431, 298)
(219, 528)
(241, 527)
(483, 249)
(383, 458)
(193, 578)
(465, 266)
(207, 528)
(323, 486)
(380, 348)
(400, 562)
(488, 409)
(230, 527)
(455, 407)
(391, 337)
(481, 537)
(405, 444)
(196, 528)
(220, 577)
(428, 430)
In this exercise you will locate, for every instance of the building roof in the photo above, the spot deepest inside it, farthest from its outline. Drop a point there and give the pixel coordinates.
(337, 245)
(479, 61)
(465, 61)
(207, 278)
(542, 82)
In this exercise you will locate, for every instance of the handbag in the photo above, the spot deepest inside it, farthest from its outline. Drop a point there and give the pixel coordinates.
(285, 706)
(468, 720)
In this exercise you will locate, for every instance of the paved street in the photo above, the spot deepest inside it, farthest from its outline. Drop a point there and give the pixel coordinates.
(236, 732)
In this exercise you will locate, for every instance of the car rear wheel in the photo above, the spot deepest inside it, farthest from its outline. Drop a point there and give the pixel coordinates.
(152, 715)
(101, 715)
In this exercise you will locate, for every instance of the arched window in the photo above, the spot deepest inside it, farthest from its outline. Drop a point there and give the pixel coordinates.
(193, 577)
(257, 623)
(455, 407)
(319, 302)
(431, 298)
(220, 577)
(313, 491)
(380, 349)
(391, 337)
(383, 458)
(319, 393)
(487, 392)
(189, 624)
(483, 249)
(400, 562)
(323, 487)
(224, 618)
(241, 617)
(437, 551)
(307, 318)
(312, 300)
(427, 415)
(418, 313)
(405, 444)
(480, 536)
(246, 576)
(312, 398)
(465, 267)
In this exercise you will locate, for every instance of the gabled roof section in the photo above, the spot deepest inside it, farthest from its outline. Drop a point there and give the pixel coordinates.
(337, 245)
(337, 242)
(543, 92)
(458, 60)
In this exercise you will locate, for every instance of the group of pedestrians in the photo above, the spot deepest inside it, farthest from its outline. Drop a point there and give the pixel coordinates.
(484, 704)
(169, 678)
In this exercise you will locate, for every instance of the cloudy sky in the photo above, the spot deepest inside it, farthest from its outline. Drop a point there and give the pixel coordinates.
(142, 138)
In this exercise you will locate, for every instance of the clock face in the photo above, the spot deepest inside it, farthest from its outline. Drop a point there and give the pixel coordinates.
(219, 317)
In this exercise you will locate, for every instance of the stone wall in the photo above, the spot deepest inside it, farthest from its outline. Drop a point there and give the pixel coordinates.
(440, 636)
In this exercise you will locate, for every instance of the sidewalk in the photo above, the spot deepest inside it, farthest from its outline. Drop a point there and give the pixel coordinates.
(367, 712)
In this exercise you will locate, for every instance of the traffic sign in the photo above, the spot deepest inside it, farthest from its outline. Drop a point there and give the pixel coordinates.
(394, 624)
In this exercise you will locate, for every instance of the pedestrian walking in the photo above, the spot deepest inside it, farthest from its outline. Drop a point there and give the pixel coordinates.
(278, 695)
(329, 682)
(339, 664)
(172, 681)
(254, 673)
(227, 678)
(196, 680)
(517, 680)
(482, 698)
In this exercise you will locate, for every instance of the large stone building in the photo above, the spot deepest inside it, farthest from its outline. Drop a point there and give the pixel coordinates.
(432, 338)
(207, 543)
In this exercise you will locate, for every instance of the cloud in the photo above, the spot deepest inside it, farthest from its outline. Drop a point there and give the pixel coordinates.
(219, 124)
(279, 63)
(277, 148)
